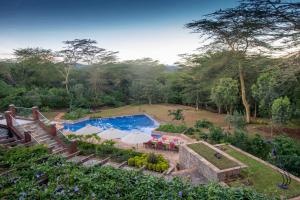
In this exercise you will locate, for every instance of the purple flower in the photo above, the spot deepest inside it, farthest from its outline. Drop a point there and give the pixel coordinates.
(180, 194)
(76, 189)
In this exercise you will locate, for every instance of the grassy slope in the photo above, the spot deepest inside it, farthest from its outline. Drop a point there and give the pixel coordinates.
(209, 154)
(264, 178)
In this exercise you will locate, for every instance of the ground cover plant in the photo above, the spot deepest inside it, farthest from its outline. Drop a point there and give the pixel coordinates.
(70, 181)
(210, 155)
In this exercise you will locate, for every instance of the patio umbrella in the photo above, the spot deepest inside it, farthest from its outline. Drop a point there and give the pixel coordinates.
(112, 133)
(88, 129)
(136, 138)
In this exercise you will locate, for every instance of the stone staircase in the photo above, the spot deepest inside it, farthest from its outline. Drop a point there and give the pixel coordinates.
(40, 136)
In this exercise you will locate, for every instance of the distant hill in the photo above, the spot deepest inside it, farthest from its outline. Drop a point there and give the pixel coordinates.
(171, 68)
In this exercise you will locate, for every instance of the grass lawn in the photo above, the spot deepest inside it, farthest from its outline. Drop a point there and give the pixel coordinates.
(209, 154)
(160, 113)
(263, 178)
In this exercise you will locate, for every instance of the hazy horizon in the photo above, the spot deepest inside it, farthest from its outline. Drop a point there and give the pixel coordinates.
(135, 28)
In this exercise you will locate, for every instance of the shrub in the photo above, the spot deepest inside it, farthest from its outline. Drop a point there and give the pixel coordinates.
(216, 134)
(152, 158)
(288, 153)
(189, 131)
(150, 161)
(236, 120)
(259, 147)
(172, 128)
(203, 124)
(240, 139)
(76, 114)
(19, 155)
(45, 109)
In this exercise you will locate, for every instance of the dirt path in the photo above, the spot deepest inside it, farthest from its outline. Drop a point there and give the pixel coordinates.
(59, 116)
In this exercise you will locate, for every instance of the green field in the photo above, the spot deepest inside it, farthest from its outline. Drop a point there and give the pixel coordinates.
(263, 178)
(209, 154)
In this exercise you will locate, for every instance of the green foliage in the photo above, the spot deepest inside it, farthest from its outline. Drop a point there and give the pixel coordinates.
(281, 110)
(176, 114)
(225, 93)
(172, 128)
(288, 154)
(237, 120)
(152, 158)
(264, 91)
(216, 134)
(70, 181)
(104, 150)
(19, 155)
(203, 124)
(76, 114)
(151, 161)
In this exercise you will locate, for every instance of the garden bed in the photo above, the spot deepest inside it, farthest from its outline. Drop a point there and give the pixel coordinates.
(211, 162)
(209, 154)
(260, 175)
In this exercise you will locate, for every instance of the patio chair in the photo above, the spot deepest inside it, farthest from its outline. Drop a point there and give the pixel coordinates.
(148, 144)
(159, 145)
(172, 146)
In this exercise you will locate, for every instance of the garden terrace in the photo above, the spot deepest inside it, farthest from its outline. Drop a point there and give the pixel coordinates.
(51, 177)
(209, 154)
(260, 175)
(211, 162)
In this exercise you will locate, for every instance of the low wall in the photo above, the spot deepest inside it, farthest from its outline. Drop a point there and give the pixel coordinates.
(190, 159)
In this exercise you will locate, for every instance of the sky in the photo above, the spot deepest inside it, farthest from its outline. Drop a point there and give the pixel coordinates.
(135, 28)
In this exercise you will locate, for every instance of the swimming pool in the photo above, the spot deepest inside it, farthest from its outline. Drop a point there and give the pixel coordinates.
(142, 123)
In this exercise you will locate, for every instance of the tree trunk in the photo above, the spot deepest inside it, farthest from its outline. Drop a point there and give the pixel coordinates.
(149, 100)
(219, 109)
(255, 110)
(197, 102)
(67, 78)
(243, 92)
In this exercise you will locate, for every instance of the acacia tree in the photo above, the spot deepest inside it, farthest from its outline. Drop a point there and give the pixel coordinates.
(82, 50)
(236, 33)
(280, 17)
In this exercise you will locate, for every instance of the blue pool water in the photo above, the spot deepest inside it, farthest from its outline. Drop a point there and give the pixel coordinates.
(141, 123)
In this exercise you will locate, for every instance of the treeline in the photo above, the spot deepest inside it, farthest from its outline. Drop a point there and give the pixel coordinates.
(210, 81)
(233, 73)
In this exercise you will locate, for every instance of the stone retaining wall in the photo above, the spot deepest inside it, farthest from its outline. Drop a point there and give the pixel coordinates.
(190, 159)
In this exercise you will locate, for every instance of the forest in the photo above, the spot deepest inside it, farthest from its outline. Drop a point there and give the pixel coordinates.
(235, 71)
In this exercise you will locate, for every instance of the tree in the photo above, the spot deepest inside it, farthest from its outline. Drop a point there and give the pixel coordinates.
(235, 33)
(225, 93)
(176, 114)
(237, 120)
(37, 54)
(82, 50)
(281, 110)
(264, 91)
(280, 19)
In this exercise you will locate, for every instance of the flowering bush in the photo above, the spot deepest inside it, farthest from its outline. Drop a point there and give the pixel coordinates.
(150, 161)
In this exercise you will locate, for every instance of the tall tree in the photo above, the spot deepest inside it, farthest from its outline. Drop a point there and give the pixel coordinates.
(281, 18)
(237, 34)
(82, 50)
